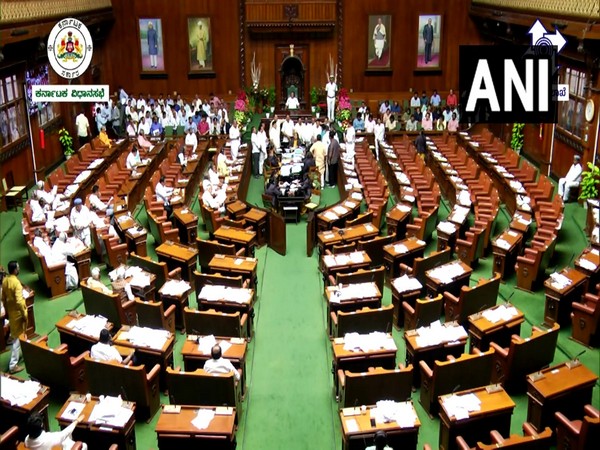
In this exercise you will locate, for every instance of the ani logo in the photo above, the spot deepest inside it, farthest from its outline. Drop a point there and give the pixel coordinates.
(70, 48)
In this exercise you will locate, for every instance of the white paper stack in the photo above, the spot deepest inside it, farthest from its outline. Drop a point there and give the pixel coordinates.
(354, 342)
(400, 248)
(88, 325)
(446, 227)
(18, 392)
(226, 293)
(500, 313)
(110, 411)
(587, 264)
(460, 406)
(203, 418)
(502, 243)
(436, 333)
(175, 288)
(386, 411)
(406, 283)
(559, 281)
(146, 337)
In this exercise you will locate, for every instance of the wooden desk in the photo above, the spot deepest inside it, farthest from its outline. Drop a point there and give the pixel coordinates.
(83, 260)
(447, 232)
(397, 219)
(240, 238)
(150, 356)
(187, 223)
(397, 436)
(179, 255)
(137, 238)
(344, 262)
(176, 431)
(559, 388)
(77, 341)
(180, 301)
(558, 301)
(11, 415)
(401, 252)
(230, 306)
(99, 437)
(399, 295)
(257, 218)
(482, 331)
(336, 215)
(360, 361)
(29, 301)
(233, 265)
(194, 359)
(236, 209)
(416, 352)
(351, 302)
(327, 239)
(436, 286)
(589, 263)
(495, 413)
(506, 257)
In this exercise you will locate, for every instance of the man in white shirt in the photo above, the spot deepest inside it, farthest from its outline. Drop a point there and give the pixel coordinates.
(331, 90)
(212, 197)
(218, 364)
(292, 102)
(571, 179)
(60, 250)
(103, 350)
(94, 282)
(40, 192)
(80, 221)
(234, 139)
(254, 140)
(99, 205)
(415, 101)
(262, 146)
(379, 136)
(133, 159)
(163, 194)
(191, 139)
(83, 128)
(287, 132)
(350, 138)
(38, 439)
(411, 124)
(275, 134)
(123, 96)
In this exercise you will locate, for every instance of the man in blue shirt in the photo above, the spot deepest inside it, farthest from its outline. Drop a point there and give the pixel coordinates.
(359, 123)
(435, 99)
(156, 129)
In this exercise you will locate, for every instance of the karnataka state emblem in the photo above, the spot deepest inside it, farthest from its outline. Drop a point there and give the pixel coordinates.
(70, 48)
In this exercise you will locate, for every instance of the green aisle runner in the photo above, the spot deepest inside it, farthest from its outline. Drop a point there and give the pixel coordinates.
(290, 401)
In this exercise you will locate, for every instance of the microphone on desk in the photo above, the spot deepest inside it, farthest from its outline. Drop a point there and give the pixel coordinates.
(507, 300)
(576, 358)
(456, 388)
(123, 394)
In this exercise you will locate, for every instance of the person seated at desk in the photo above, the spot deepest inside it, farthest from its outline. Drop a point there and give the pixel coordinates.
(191, 139)
(104, 351)
(213, 198)
(380, 441)
(359, 123)
(81, 220)
(452, 125)
(305, 189)
(218, 364)
(411, 124)
(213, 176)
(133, 159)
(143, 142)
(40, 192)
(181, 158)
(309, 161)
(272, 160)
(571, 180)
(156, 128)
(292, 102)
(427, 122)
(103, 137)
(39, 439)
(164, 194)
(203, 126)
(391, 124)
(120, 285)
(99, 205)
(272, 189)
(94, 282)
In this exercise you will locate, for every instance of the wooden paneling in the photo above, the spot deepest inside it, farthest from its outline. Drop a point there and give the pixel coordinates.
(308, 11)
(457, 29)
(121, 54)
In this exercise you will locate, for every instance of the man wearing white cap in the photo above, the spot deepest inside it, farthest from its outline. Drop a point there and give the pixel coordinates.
(571, 179)
(95, 283)
(40, 192)
(80, 221)
(60, 250)
(234, 139)
(211, 198)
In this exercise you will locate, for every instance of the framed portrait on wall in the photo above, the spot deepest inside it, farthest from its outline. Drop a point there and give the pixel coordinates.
(200, 45)
(429, 42)
(379, 40)
(151, 45)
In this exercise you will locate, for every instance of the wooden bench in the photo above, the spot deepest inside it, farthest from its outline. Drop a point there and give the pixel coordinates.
(111, 306)
(132, 382)
(466, 372)
(362, 321)
(207, 249)
(216, 323)
(580, 434)
(367, 388)
(472, 300)
(53, 276)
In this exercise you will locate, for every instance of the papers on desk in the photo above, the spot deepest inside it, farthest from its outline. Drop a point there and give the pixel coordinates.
(82, 177)
(175, 288)
(587, 264)
(88, 325)
(95, 163)
(463, 198)
(343, 259)
(519, 218)
(353, 291)
(357, 196)
(17, 392)
(340, 210)
(72, 411)
(226, 293)
(403, 208)
(70, 190)
(406, 284)
(460, 406)
(203, 418)
(354, 342)
(502, 244)
(409, 198)
(370, 228)
(447, 272)
(446, 227)
(436, 333)
(140, 280)
(559, 281)
(400, 248)
(386, 411)
(145, 337)
(330, 215)
(110, 411)
(501, 313)
(206, 343)
(352, 426)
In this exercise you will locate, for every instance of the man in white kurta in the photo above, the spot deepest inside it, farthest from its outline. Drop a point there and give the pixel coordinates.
(39, 439)
(287, 131)
(218, 364)
(191, 139)
(275, 134)
(133, 159)
(379, 38)
(292, 102)
(62, 248)
(234, 139)
(80, 221)
(571, 179)
(331, 90)
(350, 138)
(379, 136)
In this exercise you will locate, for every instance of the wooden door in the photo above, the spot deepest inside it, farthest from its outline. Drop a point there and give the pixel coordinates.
(277, 234)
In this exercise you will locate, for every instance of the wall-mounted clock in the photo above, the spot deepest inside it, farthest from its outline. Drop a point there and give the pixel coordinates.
(589, 110)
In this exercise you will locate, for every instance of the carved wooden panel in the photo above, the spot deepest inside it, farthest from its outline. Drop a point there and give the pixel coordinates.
(580, 8)
(291, 10)
(14, 11)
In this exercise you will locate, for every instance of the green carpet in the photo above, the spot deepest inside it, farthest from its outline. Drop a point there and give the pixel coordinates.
(289, 402)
